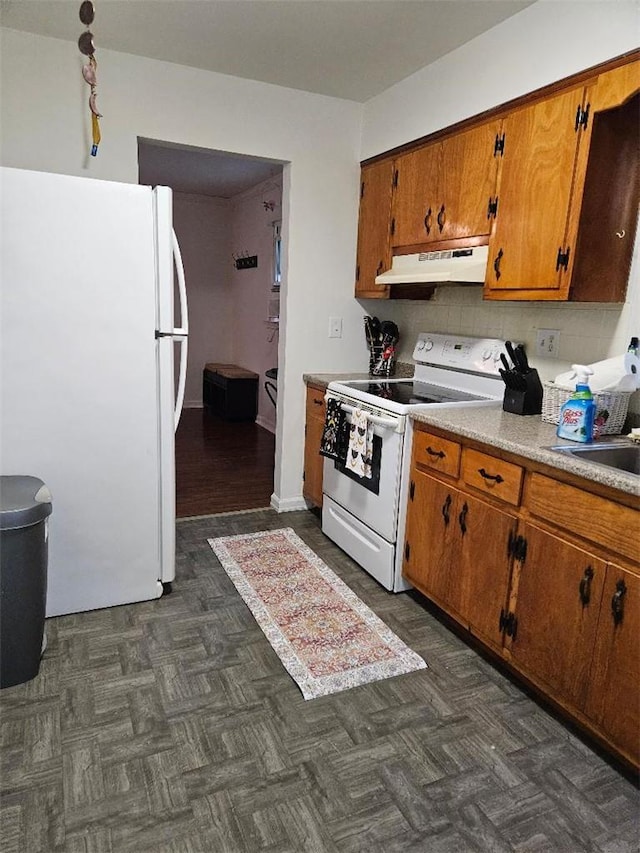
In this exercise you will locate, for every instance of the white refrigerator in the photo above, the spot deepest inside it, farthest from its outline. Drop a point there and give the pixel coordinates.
(88, 399)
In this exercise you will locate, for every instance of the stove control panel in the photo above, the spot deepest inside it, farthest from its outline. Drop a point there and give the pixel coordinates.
(477, 355)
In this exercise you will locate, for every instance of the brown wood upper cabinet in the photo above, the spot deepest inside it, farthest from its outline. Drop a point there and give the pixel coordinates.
(374, 247)
(551, 181)
(443, 190)
(568, 194)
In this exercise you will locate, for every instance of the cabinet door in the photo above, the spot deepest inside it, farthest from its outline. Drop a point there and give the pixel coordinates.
(534, 194)
(374, 247)
(416, 198)
(614, 697)
(606, 192)
(429, 559)
(469, 173)
(313, 462)
(557, 606)
(483, 565)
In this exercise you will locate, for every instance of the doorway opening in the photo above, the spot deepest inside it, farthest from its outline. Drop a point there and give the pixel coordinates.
(227, 214)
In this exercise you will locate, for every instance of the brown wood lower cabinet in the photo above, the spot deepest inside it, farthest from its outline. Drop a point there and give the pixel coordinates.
(612, 700)
(559, 590)
(457, 554)
(313, 462)
(561, 607)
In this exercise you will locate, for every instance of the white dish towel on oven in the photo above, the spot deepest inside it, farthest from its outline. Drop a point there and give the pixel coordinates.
(360, 444)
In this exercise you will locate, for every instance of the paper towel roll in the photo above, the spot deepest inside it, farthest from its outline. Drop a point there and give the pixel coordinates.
(621, 373)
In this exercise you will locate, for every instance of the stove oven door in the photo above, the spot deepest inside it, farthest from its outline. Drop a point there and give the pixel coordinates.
(373, 502)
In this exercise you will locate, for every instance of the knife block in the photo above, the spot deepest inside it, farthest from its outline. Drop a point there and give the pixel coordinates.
(526, 400)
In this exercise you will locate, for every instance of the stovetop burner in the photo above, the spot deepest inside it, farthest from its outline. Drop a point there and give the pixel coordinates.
(408, 392)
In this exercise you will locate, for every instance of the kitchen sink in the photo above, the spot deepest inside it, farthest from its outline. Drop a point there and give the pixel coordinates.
(622, 457)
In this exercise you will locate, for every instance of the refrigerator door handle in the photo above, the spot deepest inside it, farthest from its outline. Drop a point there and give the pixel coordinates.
(182, 380)
(182, 332)
(182, 287)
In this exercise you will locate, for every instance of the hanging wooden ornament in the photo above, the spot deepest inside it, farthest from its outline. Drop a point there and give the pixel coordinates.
(87, 47)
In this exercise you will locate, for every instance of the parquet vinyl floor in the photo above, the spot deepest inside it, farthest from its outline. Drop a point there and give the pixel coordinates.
(171, 726)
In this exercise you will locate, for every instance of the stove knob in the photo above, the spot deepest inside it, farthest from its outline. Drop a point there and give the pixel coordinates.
(486, 354)
(428, 345)
(420, 346)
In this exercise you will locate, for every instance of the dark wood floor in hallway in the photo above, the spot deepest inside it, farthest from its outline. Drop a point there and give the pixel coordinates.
(221, 466)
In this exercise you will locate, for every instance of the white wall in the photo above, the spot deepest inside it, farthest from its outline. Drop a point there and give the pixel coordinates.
(255, 344)
(545, 42)
(44, 126)
(203, 228)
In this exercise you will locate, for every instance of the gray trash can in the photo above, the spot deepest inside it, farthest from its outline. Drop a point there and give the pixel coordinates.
(25, 504)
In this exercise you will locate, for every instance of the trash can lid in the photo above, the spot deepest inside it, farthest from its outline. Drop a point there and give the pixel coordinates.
(23, 501)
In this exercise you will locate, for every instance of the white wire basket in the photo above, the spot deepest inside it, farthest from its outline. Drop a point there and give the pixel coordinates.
(611, 407)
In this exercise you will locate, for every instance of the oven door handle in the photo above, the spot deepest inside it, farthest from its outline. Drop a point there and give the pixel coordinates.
(385, 423)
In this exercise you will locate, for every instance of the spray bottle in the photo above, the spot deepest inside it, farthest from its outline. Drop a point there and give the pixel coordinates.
(578, 413)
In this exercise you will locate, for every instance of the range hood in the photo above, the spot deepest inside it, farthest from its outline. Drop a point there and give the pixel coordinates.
(463, 266)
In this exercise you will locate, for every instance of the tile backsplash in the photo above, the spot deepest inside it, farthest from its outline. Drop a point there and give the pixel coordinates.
(588, 332)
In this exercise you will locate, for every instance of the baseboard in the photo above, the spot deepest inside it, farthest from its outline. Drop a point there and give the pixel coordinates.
(288, 504)
(268, 425)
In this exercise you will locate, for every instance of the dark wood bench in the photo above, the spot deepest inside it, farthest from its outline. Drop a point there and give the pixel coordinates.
(230, 391)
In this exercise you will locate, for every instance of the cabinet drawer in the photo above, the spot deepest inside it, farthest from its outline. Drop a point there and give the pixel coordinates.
(437, 454)
(590, 517)
(493, 476)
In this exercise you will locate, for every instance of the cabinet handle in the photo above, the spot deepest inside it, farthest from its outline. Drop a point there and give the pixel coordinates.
(497, 477)
(445, 510)
(317, 402)
(496, 264)
(427, 221)
(585, 586)
(617, 602)
(439, 454)
(462, 518)
(508, 623)
(441, 219)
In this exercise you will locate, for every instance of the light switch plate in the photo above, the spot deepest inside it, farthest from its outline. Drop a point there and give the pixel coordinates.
(335, 327)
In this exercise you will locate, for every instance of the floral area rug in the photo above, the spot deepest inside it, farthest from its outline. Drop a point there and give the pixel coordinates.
(326, 637)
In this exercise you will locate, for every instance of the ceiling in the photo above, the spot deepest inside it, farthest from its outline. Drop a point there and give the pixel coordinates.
(199, 170)
(352, 49)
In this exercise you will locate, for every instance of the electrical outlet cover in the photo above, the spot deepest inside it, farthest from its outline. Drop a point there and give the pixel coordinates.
(548, 343)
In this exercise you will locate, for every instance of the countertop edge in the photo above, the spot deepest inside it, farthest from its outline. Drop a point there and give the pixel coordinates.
(526, 436)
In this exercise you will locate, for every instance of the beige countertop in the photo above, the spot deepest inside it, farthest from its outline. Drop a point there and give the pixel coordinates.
(525, 435)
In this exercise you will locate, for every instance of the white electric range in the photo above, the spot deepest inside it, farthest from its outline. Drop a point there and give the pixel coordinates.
(366, 517)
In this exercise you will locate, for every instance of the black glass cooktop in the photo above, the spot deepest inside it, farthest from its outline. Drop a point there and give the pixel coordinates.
(410, 393)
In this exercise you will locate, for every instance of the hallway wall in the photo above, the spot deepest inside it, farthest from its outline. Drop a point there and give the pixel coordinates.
(255, 343)
(203, 228)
